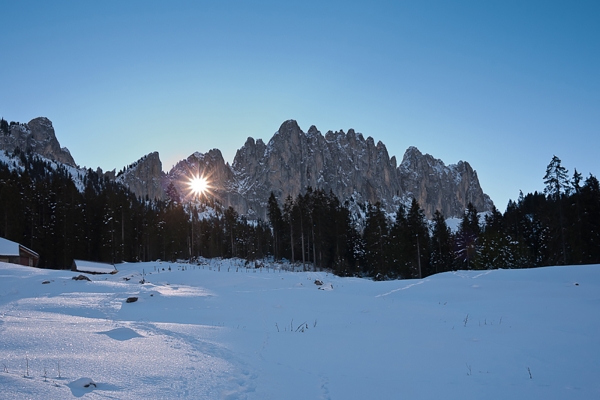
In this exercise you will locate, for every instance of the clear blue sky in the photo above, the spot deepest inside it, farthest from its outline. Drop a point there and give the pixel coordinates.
(504, 85)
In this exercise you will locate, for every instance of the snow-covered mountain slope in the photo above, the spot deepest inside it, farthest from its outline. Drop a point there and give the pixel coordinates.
(15, 163)
(223, 331)
(37, 136)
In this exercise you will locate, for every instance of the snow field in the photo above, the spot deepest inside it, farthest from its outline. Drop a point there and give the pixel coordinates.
(210, 332)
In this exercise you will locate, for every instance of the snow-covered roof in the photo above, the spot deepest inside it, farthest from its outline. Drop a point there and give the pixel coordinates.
(8, 248)
(93, 267)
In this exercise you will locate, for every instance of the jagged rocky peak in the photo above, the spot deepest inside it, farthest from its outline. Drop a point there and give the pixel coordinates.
(144, 177)
(344, 163)
(436, 186)
(290, 127)
(313, 130)
(38, 136)
(249, 155)
(210, 165)
(348, 165)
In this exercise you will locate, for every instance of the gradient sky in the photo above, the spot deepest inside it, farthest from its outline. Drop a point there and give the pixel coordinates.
(504, 85)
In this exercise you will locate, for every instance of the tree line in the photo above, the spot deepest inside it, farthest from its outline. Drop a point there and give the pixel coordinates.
(43, 208)
(560, 226)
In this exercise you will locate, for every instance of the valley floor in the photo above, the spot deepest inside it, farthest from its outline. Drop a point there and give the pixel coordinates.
(221, 331)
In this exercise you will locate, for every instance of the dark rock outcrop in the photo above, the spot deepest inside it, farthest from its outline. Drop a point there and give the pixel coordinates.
(37, 136)
(145, 177)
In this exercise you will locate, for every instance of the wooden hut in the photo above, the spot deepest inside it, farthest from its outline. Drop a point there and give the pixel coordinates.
(15, 253)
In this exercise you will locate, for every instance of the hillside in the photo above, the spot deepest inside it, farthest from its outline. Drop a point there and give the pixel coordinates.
(220, 330)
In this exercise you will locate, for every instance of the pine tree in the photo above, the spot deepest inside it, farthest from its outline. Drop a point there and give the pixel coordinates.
(419, 238)
(497, 249)
(441, 244)
(231, 222)
(574, 222)
(466, 239)
(276, 219)
(400, 242)
(375, 237)
(556, 179)
(576, 181)
(590, 230)
(557, 185)
(288, 217)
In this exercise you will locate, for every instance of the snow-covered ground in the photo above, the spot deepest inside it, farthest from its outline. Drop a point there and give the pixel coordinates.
(221, 331)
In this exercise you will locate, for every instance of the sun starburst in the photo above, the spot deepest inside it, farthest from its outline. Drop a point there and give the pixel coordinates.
(199, 185)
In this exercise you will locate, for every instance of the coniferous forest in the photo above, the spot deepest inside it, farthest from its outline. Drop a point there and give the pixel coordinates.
(43, 209)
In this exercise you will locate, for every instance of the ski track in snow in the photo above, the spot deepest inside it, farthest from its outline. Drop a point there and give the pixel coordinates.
(420, 282)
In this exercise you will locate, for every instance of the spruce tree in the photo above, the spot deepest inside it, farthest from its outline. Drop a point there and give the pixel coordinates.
(400, 241)
(556, 179)
(557, 185)
(418, 237)
(441, 244)
(375, 238)
(590, 209)
(466, 239)
(276, 219)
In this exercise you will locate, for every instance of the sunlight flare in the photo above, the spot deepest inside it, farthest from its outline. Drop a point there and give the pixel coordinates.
(199, 185)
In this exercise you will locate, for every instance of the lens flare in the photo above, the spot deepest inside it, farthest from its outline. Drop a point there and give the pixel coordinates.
(199, 185)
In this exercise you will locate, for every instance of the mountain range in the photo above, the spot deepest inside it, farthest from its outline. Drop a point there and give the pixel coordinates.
(355, 169)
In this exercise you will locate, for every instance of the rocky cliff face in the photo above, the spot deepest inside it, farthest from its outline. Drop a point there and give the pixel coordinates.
(439, 187)
(38, 136)
(348, 164)
(292, 161)
(145, 177)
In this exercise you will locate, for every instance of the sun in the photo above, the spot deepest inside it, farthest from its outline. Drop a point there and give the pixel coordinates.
(199, 185)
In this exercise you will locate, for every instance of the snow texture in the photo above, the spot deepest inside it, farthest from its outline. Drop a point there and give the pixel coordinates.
(223, 331)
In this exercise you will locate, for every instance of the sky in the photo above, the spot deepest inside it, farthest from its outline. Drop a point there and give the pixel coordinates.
(504, 85)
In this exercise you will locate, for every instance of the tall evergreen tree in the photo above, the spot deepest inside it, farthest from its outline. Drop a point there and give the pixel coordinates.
(418, 232)
(590, 229)
(289, 219)
(399, 245)
(556, 179)
(466, 239)
(375, 236)
(557, 185)
(276, 219)
(441, 245)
